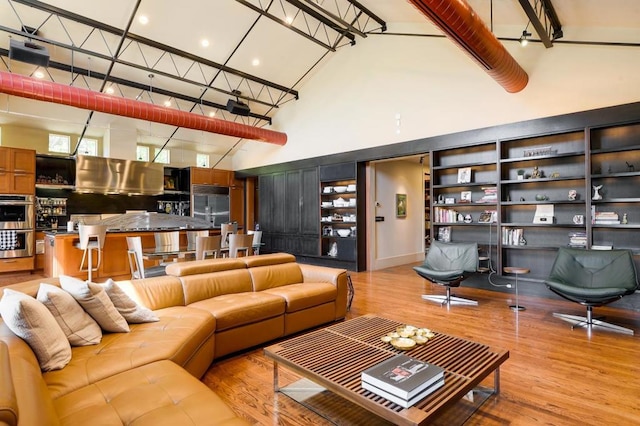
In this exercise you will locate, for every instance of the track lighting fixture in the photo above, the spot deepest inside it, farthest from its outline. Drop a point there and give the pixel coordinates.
(524, 38)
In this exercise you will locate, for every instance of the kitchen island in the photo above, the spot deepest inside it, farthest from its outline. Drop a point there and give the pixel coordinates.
(62, 257)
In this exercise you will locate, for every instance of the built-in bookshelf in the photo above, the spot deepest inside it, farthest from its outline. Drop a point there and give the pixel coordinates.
(525, 197)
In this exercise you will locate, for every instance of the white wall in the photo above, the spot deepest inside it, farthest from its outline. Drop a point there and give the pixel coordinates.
(397, 240)
(351, 103)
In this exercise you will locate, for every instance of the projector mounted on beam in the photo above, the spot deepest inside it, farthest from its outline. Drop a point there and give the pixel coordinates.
(237, 107)
(31, 53)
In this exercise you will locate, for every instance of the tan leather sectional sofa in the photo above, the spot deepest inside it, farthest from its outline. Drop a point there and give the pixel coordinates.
(149, 376)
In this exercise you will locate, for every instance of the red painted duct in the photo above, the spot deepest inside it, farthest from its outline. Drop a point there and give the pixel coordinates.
(27, 87)
(461, 25)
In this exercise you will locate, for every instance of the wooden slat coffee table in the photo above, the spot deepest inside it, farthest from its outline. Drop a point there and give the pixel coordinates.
(334, 357)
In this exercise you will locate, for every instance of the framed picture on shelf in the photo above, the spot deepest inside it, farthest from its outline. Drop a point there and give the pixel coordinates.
(464, 175)
(465, 197)
(401, 205)
(444, 234)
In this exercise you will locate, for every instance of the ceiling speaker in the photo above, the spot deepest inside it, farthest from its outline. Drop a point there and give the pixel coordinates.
(28, 52)
(237, 107)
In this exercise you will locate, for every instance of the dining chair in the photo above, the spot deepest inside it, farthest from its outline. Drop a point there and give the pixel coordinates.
(136, 261)
(92, 237)
(193, 235)
(168, 241)
(225, 230)
(240, 243)
(257, 240)
(208, 245)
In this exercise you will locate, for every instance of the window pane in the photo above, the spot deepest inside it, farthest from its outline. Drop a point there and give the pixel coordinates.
(59, 143)
(202, 160)
(161, 156)
(88, 147)
(142, 153)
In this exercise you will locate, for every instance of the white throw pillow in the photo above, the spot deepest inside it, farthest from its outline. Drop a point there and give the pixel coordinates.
(95, 301)
(31, 321)
(77, 325)
(129, 309)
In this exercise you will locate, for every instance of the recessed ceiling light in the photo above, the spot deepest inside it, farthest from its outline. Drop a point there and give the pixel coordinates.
(204, 42)
(212, 114)
(143, 19)
(167, 103)
(255, 62)
(38, 74)
(109, 90)
(288, 19)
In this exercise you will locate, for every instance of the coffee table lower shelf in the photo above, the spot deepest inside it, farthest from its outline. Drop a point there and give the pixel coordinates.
(330, 360)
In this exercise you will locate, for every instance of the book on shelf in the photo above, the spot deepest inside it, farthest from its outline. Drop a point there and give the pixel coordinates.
(406, 403)
(402, 376)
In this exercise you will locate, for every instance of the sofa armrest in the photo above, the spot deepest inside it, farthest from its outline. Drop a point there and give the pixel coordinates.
(335, 276)
(8, 401)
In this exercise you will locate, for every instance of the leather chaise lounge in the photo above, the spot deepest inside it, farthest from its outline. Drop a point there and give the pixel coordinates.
(149, 376)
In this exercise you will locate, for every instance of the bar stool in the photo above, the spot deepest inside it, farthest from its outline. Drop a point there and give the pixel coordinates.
(91, 238)
(516, 271)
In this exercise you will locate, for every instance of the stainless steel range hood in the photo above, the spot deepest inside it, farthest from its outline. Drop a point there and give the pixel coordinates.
(114, 176)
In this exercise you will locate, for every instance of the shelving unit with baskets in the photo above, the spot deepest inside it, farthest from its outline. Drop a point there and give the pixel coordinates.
(338, 219)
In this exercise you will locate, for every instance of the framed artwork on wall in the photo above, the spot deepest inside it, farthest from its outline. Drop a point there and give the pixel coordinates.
(401, 205)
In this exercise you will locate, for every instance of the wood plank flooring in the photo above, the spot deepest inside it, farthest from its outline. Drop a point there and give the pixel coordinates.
(554, 376)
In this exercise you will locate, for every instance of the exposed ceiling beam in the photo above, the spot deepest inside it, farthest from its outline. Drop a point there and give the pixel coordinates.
(148, 42)
(544, 19)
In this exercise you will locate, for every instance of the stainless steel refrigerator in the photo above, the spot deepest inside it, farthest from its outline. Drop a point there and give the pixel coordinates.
(211, 203)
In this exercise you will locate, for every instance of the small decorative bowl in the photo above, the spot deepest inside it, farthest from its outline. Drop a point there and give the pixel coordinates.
(344, 232)
(340, 188)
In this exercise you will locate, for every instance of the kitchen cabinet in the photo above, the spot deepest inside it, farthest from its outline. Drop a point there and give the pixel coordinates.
(207, 176)
(288, 211)
(17, 170)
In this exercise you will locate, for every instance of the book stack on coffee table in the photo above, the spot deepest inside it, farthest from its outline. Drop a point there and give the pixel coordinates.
(403, 380)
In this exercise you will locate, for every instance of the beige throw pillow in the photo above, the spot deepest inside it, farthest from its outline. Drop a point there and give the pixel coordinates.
(129, 309)
(95, 301)
(77, 325)
(31, 321)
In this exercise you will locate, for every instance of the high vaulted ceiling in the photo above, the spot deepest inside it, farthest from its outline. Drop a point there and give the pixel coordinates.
(259, 52)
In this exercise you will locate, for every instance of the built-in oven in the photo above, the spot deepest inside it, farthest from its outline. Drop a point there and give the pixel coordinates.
(16, 243)
(16, 211)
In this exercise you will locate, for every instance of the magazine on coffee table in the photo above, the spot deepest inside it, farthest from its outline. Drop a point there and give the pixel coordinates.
(402, 376)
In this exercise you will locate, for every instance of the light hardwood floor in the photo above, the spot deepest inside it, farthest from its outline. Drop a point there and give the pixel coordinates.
(554, 376)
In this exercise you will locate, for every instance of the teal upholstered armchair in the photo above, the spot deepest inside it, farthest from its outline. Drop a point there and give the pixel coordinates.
(448, 264)
(592, 278)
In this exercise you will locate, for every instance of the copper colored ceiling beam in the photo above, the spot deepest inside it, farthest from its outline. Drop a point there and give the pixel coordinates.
(27, 87)
(462, 25)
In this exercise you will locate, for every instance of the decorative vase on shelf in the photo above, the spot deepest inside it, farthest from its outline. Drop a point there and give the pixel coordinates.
(333, 251)
(596, 192)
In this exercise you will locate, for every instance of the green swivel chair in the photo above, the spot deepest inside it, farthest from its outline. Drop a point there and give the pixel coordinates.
(592, 278)
(448, 264)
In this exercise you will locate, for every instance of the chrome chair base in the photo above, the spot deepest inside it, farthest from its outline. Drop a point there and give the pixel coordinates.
(449, 299)
(589, 322)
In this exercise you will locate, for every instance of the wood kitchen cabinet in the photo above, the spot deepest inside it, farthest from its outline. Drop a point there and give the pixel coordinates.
(206, 176)
(17, 171)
